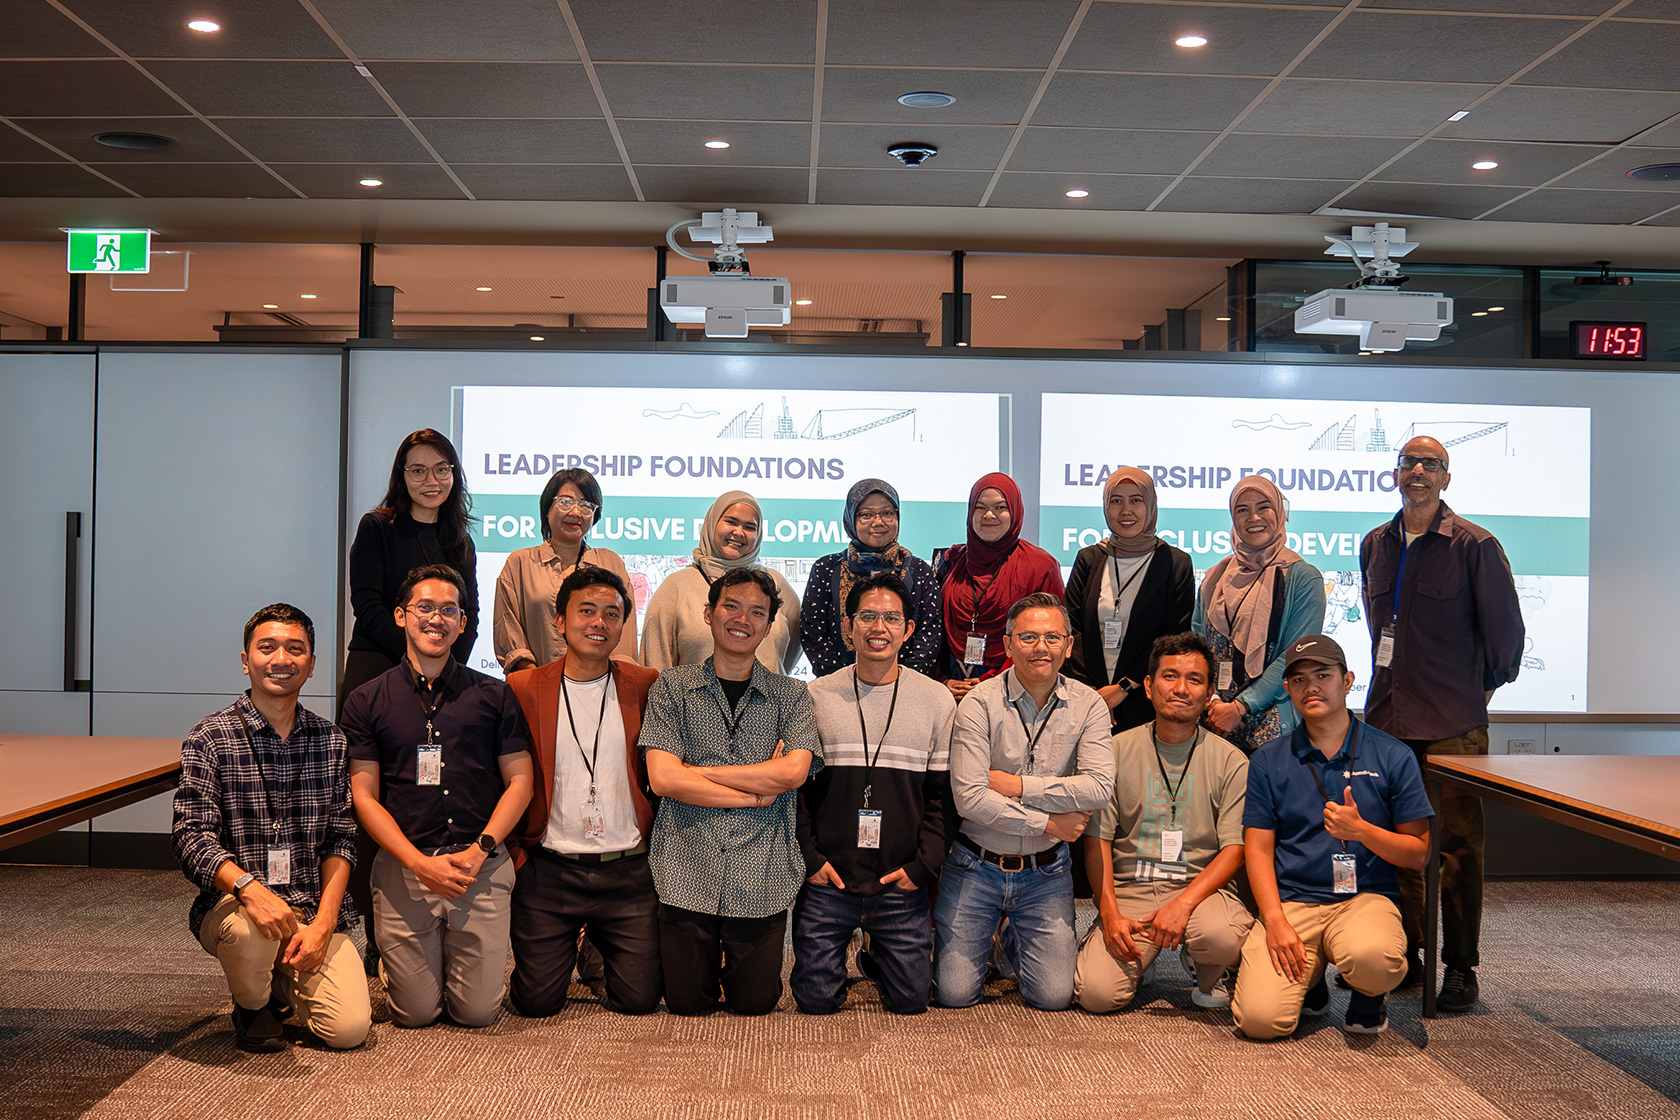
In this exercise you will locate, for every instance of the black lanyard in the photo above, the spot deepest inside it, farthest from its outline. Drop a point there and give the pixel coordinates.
(431, 711)
(1230, 615)
(1172, 790)
(869, 762)
(1120, 591)
(262, 776)
(731, 725)
(1032, 741)
(1353, 759)
(589, 760)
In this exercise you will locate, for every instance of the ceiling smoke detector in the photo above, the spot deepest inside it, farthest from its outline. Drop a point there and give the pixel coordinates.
(912, 155)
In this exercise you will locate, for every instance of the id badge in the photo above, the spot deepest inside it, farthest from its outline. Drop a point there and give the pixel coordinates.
(1344, 878)
(428, 769)
(594, 821)
(974, 650)
(1114, 632)
(1225, 676)
(1172, 845)
(1385, 648)
(869, 828)
(279, 867)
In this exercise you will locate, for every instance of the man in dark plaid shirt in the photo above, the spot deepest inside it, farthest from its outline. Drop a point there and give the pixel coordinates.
(263, 827)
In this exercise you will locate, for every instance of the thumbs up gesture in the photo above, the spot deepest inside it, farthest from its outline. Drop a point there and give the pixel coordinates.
(1343, 821)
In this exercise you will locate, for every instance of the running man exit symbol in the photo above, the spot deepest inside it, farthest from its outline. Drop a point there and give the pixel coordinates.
(109, 250)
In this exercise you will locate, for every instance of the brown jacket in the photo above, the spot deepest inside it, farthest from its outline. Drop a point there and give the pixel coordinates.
(538, 691)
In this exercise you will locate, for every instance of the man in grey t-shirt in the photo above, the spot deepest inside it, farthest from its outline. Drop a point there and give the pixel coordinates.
(1162, 852)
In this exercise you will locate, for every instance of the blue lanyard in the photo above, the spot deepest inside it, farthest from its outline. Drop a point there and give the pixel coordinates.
(1400, 574)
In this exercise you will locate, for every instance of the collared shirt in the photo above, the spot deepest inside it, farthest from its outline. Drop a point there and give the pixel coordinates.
(1072, 767)
(524, 623)
(1460, 630)
(740, 863)
(476, 723)
(1284, 799)
(232, 784)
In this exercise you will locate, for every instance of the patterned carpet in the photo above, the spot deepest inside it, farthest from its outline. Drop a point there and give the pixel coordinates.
(108, 1008)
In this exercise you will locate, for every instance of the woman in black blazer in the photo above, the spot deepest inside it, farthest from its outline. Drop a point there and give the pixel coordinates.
(1124, 592)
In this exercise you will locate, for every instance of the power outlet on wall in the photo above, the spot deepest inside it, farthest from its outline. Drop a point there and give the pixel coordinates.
(1521, 746)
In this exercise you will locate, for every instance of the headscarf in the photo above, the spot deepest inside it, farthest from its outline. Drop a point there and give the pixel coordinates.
(1240, 606)
(712, 565)
(976, 595)
(860, 559)
(1145, 542)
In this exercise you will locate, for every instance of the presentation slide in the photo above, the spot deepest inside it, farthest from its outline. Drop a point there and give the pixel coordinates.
(662, 455)
(1519, 471)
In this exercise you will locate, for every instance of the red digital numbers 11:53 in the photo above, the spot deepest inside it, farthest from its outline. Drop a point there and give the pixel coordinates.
(1624, 341)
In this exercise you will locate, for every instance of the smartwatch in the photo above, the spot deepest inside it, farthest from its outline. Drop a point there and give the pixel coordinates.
(241, 883)
(1128, 684)
(487, 844)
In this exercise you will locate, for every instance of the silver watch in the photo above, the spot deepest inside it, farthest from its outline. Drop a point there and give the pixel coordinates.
(241, 883)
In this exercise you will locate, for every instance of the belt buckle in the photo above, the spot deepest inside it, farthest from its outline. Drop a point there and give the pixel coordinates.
(1020, 863)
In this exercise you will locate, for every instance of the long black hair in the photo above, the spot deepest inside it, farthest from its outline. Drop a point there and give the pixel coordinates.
(454, 516)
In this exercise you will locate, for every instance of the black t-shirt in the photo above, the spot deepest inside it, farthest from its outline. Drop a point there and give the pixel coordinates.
(734, 690)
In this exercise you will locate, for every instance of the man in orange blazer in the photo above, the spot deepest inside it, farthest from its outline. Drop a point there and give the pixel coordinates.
(583, 841)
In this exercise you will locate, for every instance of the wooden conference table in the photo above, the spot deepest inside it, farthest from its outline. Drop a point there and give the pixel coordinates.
(48, 782)
(1631, 799)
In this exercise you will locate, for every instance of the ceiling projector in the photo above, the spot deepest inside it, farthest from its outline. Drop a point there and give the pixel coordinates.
(729, 298)
(1373, 308)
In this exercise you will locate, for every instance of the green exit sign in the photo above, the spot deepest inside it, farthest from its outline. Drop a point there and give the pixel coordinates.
(110, 250)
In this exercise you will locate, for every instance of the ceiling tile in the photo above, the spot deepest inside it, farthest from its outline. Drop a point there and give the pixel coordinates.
(1027, 189)
(197, 180)
(1668, 136)
(961, 147)
(1136, 101)
(720, 31)
(1614, 55)
(484, 89)
(684, 142)
(339, 180)
(53, 180)
(1586, 207)
(195, 142)
(35, 29)
(1108, 150)
(1523, 165)
(1610, 173)
(79, 89)
(1433, 48)
(1427, 200)
(1250, 196)
(1667, 218)
(347, 140)
(907, 186)
(1586, 8)
(569, 183)
(250, 28)
(508, 30)
(983, 96)
(264, 89)
(1345, 108)
(1599, 116)
(521, 141)
(742, 187)
(1240, 40)
(15, 147)
(708, 93)
(1298, 157)
(964, 33)
(1651, 9)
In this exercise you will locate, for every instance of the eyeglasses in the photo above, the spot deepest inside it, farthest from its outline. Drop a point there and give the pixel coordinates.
(889, 517)
(1432, 465)
(567, 505)
(427, 610)
(870, 618)
(443, 472)
(1051, 641)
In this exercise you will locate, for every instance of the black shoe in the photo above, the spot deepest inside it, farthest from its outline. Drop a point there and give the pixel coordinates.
(257, 1032)
(1365, 1014)
(370, 959)
(1414, 972)
(277, 1004)
(1459, 991)
(867, 967)
(1317, 1001)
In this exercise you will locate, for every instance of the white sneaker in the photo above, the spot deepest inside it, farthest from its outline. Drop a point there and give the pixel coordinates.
(1215, 1000)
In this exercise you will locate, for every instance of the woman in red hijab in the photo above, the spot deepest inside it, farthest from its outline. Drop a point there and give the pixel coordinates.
(980, 580)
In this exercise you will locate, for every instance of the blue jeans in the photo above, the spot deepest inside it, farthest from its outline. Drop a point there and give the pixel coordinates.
(900, 940)
(974, 896)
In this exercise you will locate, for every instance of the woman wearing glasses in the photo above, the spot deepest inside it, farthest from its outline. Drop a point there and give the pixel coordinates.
(423, 520)
(524, 630)
(871, 521)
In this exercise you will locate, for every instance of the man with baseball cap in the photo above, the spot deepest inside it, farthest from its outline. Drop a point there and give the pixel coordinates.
(1334, 809)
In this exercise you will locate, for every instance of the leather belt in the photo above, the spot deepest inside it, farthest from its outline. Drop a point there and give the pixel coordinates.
(1012, 863)
(596, 857)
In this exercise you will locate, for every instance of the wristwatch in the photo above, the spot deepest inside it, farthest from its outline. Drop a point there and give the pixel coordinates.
(487, 844)
(241, 883)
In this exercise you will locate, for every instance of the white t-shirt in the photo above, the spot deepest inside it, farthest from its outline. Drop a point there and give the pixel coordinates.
(569, 800)
(1130, 571)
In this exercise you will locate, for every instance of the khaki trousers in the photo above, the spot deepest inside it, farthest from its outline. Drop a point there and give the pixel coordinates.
(1214, 936)
(1362, 937)
(332, 1002)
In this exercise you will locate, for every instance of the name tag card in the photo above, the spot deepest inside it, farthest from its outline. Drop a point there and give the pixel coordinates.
(429, 766)
(869, 828)
(594, 821)
(974, 650)
(1114, 632)
(1344, 876)
(279, 867)
(1225, 676)
(1385, 648)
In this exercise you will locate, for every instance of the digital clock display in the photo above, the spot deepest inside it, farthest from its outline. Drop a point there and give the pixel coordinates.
(1622, 341)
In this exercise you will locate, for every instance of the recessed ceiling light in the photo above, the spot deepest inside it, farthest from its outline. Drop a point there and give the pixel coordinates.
(926, 99)
(1191, 41)
(1477, 314)
(962, 344)
(271, 307)
(1496, 309)
(1485, 164)
(1460, 115)
(1077, 193)
(484, 289)
(802, 302)
(1222, 318)
(309, 295)
(371, 182)
(538, 338)
(999, 295)
(718, 144)
(1656, 172)
(133, 141)
(203, 26)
